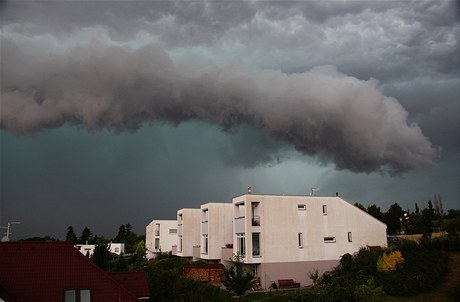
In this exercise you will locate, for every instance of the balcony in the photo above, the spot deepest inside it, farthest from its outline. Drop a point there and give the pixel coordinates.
(255, 221)
(240, 224)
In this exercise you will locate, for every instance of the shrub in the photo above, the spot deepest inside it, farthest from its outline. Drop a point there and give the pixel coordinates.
(390, 262)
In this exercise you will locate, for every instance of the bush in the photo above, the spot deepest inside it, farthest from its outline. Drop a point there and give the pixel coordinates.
(423, 270)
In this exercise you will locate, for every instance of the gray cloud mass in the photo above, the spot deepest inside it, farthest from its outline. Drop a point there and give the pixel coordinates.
(112, 103)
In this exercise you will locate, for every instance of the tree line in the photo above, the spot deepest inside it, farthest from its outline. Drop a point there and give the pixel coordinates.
(427, 220)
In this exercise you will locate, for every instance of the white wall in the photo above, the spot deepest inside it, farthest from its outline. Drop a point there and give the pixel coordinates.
(216, 221)
(281, 221)
(165, 231)
(189, 224)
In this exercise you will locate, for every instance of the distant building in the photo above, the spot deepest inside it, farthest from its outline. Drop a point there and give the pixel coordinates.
(161, 236)
(88, 249)
(56, 271)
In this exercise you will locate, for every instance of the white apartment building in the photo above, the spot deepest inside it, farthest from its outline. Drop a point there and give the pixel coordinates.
(188, 231)
(286, 237)
(216, 229)
(88, 249)
(161, 236)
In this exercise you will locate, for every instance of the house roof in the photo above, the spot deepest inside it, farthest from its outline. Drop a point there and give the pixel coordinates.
(135, 282)
(41, 271)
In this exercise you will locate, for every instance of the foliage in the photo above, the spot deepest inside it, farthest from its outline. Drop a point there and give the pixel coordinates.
(314, 277)
(102, 256)
(128, 237)
(167, 283)
(86, 236)
(139, 257)
(368, 291)
(390, 261)
(424, 269)
(118, 264)
(375, 211)
(71, 237)
(392, 218)
(235, 278)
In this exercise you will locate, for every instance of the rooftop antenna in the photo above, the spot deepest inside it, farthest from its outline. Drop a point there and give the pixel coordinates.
(7, 237)
(312, 191)
(249, 190)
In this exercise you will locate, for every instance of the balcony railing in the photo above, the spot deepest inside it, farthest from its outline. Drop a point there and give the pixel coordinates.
(255, 221)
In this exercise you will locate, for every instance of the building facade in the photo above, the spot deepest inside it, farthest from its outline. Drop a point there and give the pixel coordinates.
(279, 237)
(216, 230)
(161, 236)
(188, 232)
(286, 237)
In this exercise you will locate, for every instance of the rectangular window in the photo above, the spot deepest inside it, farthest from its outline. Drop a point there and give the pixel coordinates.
(85, 295)
(205, 244)
(157, 243)
(324, 209)
(350, 239)
(300, 239)
(180, 244)
(70, 296)
(77, 295)
(329, 239)
(256, 244)
(302, 207)
(241, 244)
(157, 229)
(172, 231)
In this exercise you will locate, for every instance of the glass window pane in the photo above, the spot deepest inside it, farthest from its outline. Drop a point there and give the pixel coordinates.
(85, 295)
(70, 296)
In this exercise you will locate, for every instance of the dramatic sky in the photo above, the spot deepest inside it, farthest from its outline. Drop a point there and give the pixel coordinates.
(115, 112)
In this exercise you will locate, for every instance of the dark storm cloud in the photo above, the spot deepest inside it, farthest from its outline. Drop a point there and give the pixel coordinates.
(320, 112)
(249, 67)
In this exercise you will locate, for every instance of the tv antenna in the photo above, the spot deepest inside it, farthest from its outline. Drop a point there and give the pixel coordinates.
(7, 237)
(312, 191)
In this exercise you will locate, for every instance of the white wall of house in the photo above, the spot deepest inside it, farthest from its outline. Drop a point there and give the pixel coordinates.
(188, 231)
(161, 235)
(216, 229)
(298, 229)
(88, 249)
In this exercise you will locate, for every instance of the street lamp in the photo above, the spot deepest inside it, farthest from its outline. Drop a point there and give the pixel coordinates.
(7, 237)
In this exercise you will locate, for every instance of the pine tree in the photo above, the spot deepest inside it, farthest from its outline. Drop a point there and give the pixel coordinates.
(102, 256)
(85, 235)
(71, 237)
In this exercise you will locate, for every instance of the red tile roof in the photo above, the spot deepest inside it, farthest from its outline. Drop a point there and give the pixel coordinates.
(135, 282)
(41, 271)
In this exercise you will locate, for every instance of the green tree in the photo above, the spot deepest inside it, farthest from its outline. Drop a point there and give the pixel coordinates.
(86, 235)
(236, 278)
(119, 264)
(393, 218)
(375, 211)
(140, 258)
(427, 220)
(358, 205)
(71, 237)
(102, 256)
